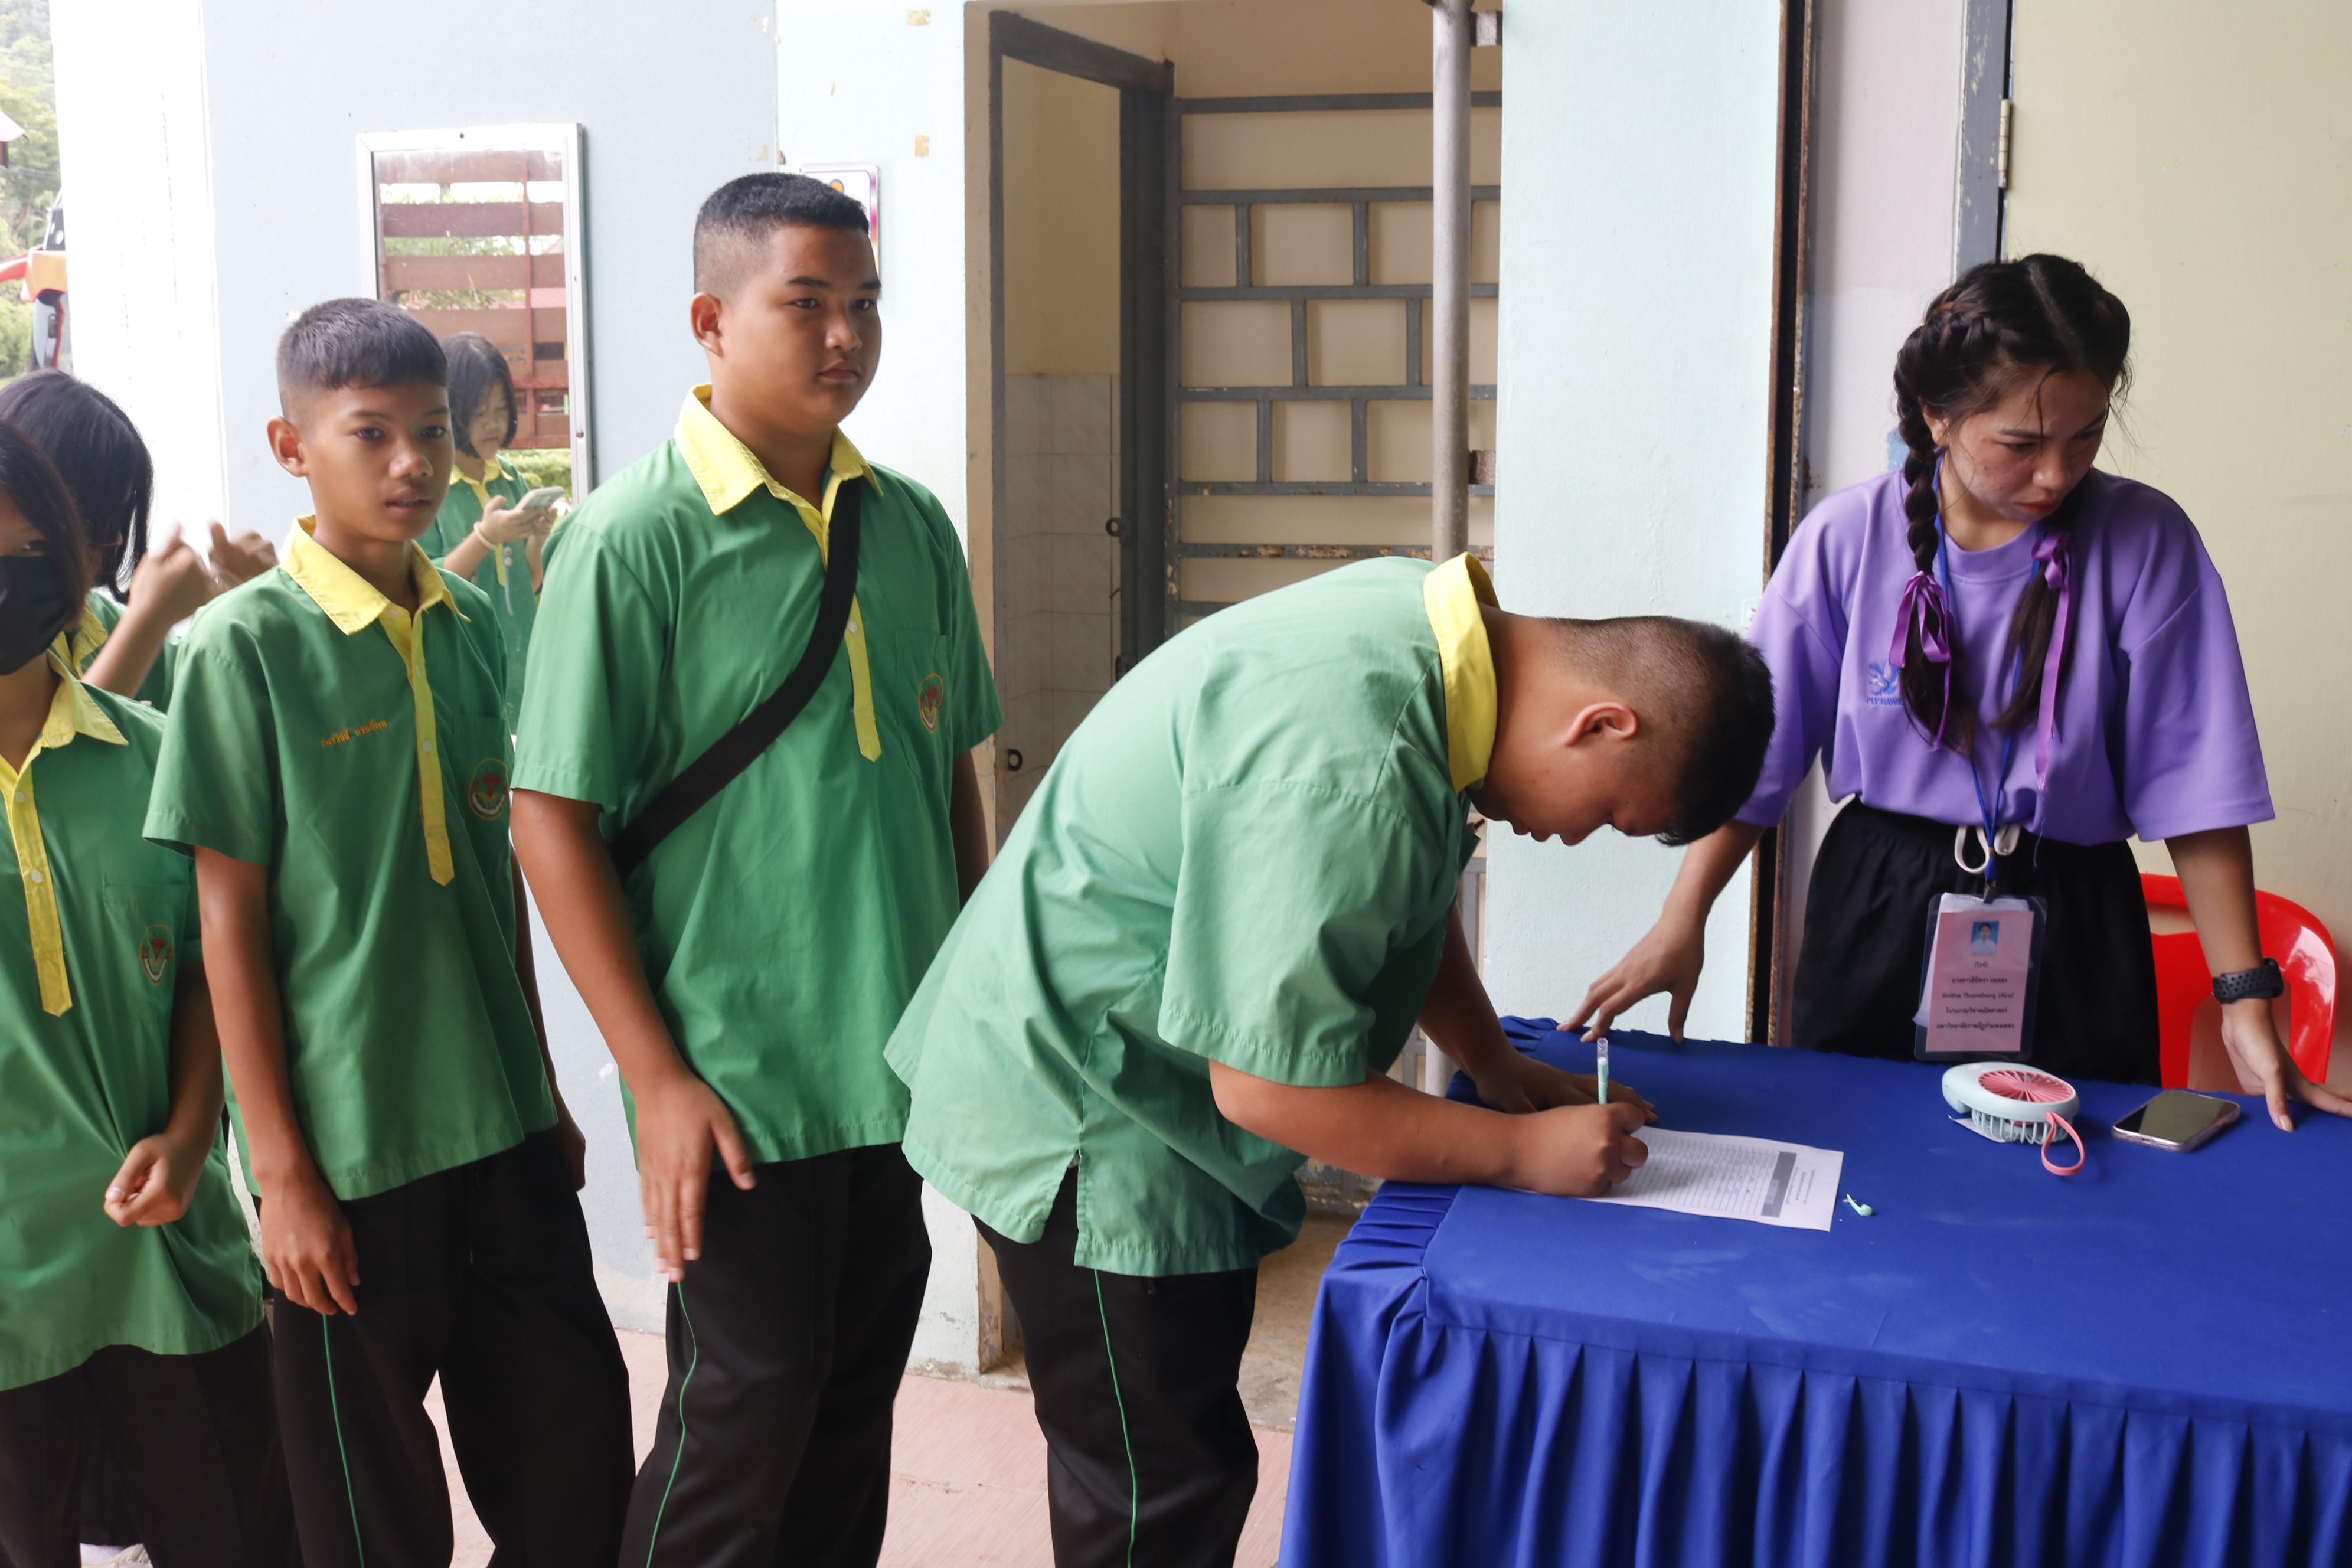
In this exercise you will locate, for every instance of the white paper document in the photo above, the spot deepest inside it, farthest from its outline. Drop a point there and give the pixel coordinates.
(1730, 1177)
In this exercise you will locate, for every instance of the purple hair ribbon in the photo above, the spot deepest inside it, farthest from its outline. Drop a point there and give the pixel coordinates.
(2056, 555)
(1923, 607)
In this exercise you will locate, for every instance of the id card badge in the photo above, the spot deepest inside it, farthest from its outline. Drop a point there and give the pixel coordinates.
(1982, 979)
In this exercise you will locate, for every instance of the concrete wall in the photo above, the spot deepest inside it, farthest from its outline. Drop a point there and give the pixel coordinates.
(146, 305)
(1637, 311)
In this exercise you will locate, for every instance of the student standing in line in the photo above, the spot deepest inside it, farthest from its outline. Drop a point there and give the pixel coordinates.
(2012, 662)
(1208, 938)
(122, 642)
(129, 1301)
(482, 523)
(337, 765)
(746, 968)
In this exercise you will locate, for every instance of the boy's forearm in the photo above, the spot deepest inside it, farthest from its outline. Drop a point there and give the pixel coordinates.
(527, 970)
(967, 827)
(1376, 1128)
(232, 901)
(559, 850)
(1458, 1015)
(130, 652)
(196, 1091)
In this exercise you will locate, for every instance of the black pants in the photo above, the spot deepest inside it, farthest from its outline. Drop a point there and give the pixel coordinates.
(196, 1453)
(1866, 950)
(786, 1344)
(481, 1275)
(1150, 1460)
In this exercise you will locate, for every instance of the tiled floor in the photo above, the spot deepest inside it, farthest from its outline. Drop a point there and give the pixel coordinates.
(968, 1472)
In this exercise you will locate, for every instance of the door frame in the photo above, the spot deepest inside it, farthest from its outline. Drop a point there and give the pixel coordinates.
(1149, 153)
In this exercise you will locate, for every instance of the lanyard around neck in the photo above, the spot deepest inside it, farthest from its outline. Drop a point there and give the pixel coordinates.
(1988, 807)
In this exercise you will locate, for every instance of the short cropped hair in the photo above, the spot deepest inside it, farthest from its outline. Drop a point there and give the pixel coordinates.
(99, 454)
(744, 211)
(1706, 693)
(30, 479)
(355, 343)
(478, 367)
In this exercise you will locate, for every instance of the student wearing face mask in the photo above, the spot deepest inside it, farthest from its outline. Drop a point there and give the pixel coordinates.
(130, 1299)
(2010, 662)
(124, 640)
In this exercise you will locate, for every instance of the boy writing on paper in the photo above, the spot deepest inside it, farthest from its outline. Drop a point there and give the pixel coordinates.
(1209, 936)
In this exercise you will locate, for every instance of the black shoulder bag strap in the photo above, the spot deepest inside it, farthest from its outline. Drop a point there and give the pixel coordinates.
(732, 753)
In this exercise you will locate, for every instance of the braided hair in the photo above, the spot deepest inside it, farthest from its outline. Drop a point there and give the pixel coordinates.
(2002, 324)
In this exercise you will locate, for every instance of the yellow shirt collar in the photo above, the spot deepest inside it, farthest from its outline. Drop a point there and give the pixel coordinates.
(73, 712)
(1451, 595)
(727, 470)
(350, 600)
(492, 472)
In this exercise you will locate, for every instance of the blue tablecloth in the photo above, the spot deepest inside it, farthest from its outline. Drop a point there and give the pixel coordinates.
(2149, 1362)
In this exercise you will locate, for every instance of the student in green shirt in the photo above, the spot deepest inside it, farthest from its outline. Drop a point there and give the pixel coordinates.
(483, 533)
(129, 1301)
(122, 641)
(1208, 938)
(747, 970)
(337, 765)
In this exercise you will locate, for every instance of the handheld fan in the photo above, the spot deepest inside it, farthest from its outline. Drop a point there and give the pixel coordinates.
(2015, 1105)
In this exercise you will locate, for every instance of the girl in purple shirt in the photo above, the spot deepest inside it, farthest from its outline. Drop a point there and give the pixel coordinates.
(2000, 632)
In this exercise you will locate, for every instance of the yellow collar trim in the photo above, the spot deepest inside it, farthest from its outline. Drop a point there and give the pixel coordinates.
(80, 643)
(73, 712)
(350, 600)
(728, 471)
(492, 472)
(1451, 595)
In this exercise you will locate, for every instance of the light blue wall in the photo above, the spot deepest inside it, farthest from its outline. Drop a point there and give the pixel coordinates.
(1638, 159)
(675, 100)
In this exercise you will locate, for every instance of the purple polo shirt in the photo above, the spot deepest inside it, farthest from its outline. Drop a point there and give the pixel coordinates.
(2156, 728)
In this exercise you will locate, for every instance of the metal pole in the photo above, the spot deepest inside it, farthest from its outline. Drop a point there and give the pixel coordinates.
(1449, 489)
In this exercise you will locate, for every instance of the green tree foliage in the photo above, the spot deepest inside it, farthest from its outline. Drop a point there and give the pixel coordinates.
(28, 95)
(29, 184)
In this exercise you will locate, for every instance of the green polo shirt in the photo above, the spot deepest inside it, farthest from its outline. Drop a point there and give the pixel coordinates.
(86, 1061)
(504, 573)
(1247, 854)
(784, 925)
(361, 754)
(100, 614)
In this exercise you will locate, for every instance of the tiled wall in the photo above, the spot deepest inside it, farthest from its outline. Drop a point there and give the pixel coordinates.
(1059, 570)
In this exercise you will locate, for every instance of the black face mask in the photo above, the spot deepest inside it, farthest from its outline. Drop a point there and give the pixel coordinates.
(33, 609)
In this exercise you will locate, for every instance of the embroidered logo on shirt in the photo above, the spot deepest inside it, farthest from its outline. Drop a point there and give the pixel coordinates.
(354, 733)
(1884, 685)
(156, 953)
(487, 795)
(929, 699)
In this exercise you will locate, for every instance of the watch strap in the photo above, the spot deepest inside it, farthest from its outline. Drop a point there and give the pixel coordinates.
(2263, 981)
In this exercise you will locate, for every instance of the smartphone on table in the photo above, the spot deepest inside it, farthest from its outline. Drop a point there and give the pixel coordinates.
(2177, 1119)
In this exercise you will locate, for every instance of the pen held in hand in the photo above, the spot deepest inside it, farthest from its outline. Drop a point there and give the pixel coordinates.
(1601, 1069)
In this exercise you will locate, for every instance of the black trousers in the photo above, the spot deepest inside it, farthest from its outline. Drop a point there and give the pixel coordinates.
(195, 1446)
(786, 1344)
(1866, 950)
(1150, 1460)
(480, 1275)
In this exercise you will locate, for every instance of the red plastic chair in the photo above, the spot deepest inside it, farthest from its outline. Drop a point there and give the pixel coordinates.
(2290, 933)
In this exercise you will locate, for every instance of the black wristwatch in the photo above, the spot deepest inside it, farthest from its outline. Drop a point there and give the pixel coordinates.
(2263, 981)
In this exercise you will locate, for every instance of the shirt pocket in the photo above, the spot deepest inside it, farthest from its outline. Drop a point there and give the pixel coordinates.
(478, 759)
(140, 939)
(911, 690)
